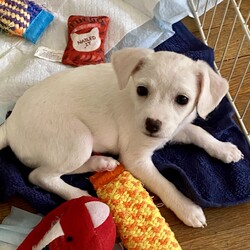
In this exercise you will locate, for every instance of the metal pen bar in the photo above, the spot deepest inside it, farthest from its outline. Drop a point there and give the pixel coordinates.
(221, 24)
(241, 82)
(212, 19)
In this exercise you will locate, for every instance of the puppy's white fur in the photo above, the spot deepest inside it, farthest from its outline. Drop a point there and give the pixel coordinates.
(56, 124)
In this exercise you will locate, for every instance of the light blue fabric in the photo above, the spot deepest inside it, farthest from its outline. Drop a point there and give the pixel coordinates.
(148, 35)
(16, 226)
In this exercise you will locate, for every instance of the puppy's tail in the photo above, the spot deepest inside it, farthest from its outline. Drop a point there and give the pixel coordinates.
(3, 136)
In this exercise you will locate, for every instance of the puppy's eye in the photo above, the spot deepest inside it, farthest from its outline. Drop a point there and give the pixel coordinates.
(142, 91)
(181, 99)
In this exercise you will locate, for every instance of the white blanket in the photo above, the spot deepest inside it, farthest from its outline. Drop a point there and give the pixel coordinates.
(144, 23)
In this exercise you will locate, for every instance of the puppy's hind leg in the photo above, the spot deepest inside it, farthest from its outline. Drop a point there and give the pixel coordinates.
(52, 182)
(64, 154)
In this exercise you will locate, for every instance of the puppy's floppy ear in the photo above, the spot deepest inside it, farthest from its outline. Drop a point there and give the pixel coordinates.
(212, 89)
(125, 61)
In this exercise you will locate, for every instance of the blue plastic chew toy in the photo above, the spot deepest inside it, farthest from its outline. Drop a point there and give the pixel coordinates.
(24, 18)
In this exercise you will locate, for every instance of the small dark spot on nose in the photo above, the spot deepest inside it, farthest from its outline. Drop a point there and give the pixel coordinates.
(152, 125)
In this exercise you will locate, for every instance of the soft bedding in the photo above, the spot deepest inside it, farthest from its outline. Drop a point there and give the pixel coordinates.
(205, 180)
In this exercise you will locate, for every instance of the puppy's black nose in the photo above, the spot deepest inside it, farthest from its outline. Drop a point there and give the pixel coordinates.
(152, 125)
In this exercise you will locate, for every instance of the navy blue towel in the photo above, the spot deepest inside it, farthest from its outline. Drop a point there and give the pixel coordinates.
(207, 181)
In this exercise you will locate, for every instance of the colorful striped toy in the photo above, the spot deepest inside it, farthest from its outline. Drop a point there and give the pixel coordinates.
(24, 18)
(138, 220)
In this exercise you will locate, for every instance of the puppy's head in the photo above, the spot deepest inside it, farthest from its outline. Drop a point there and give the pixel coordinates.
(168, 89)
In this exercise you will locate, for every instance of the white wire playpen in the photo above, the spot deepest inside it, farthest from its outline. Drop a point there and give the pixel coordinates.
(225, 29)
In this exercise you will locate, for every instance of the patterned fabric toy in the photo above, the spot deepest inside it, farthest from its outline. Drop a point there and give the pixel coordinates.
(138, 220)
(24, 18)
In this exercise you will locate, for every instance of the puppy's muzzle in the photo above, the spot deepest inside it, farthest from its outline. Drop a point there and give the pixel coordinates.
(153, 126)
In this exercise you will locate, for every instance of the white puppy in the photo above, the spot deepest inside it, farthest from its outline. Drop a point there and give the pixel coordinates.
(130, 107)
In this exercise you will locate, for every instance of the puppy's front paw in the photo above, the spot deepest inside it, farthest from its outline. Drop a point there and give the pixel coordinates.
(191, 214)
(228, 152)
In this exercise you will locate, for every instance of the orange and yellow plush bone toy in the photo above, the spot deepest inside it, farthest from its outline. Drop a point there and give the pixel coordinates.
(138, 220)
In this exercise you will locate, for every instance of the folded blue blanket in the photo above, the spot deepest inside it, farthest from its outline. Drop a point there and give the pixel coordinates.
(207, 181)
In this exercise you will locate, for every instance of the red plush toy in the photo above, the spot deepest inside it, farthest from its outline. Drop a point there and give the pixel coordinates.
(84, 223)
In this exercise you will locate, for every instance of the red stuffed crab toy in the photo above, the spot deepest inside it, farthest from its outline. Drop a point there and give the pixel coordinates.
(83, 223)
